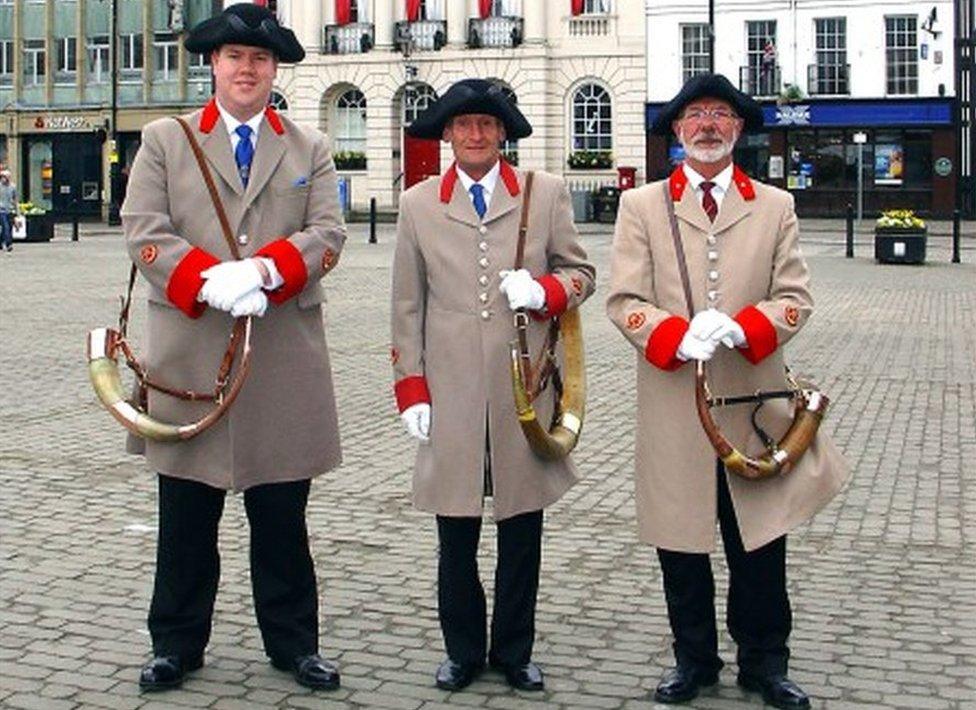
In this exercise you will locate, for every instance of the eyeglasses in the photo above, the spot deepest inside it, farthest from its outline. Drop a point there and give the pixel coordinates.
(719, 114)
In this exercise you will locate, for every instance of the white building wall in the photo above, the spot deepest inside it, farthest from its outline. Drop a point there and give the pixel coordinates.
(795, 41)
(557, 55)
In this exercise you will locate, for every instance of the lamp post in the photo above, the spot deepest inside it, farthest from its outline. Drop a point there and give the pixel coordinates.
(711, 36)
(860, 138)
(113, 155)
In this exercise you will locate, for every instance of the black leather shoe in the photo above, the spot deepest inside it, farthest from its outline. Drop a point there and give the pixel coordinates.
(681, 684)
(312, 671)
(452, 675)
(777, 690)
(525, 677)
(165, 672)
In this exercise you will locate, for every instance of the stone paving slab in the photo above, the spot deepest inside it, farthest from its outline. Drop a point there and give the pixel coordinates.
(883, 581)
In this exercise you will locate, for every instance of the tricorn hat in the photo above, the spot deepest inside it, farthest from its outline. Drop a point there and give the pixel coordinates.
(713, 86)
(471, 96)
(249, 24)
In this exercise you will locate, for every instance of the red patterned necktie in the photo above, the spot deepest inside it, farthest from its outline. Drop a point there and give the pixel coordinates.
(708, 200)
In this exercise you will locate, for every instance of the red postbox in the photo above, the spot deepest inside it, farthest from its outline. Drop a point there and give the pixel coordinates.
(626, 177)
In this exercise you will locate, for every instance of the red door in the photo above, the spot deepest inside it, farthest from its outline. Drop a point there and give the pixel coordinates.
(422, 157)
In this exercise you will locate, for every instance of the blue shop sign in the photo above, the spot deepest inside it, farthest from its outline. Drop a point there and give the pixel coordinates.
(888, 113)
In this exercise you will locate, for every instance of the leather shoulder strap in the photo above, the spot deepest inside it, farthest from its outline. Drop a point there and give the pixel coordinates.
(524, 220)
(679, 252)
(211, 187)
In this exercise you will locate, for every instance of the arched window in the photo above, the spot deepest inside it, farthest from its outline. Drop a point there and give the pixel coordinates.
(416, 99)
(278, 102)
(349, 132)
(592, 119)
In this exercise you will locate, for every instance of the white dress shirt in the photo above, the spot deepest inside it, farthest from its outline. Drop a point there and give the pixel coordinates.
(722, 182)
(488, 182)
(231, 124)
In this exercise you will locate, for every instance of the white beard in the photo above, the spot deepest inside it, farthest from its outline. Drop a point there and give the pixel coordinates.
(708, 155)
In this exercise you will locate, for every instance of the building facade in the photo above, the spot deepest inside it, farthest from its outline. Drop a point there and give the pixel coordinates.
(842, 83)
(575, 68)
(70, 125)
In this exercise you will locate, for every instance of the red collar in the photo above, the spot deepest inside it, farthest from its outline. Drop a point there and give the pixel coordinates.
(678, 181)
(505, 170)
(211, 114)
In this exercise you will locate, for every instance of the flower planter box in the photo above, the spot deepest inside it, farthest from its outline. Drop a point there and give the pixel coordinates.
(38, 228)
(899, 246)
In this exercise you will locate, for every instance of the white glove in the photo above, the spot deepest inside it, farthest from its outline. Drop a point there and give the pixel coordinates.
(417, 420)
(228, 281)
(692, 348)
(522, 290)
(254, 303)
(718, 327)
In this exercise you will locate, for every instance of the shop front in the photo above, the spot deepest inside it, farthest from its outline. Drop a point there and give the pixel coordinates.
(906, 149)
(61, 164)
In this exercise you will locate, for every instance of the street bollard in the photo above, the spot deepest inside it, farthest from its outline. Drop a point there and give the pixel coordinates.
(956, 216)
(74, 225)
(850, 232)
(372, 220)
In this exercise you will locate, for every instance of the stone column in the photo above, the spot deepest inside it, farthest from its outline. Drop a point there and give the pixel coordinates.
(456, 13)
(535, 21)
(383, 18)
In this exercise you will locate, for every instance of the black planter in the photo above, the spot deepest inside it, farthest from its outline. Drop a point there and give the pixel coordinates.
(899, 246)
(40, 228)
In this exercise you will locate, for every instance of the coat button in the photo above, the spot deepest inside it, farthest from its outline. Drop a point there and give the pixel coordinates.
(485, 315)
(713, 275)
(483, 262)
(483, 246)
(483, 229)
(483, 297)
(712, 255)
(711, 239)
(712, 295)
(242, 239)
(483, 279)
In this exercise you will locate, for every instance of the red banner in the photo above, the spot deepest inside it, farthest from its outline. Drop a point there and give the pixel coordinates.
(342, 12)
(578, 7)
(484, 8)
(413, 10)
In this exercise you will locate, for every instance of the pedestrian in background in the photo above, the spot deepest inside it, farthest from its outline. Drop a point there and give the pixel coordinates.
(8, 210)
(454, 291)
(277, 183)
(750, 287)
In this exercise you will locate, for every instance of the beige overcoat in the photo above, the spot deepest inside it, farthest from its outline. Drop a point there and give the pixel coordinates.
(283, 426)
(452, 328)
(747, 264)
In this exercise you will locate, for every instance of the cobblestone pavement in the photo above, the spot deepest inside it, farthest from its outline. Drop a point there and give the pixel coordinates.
(883, 582)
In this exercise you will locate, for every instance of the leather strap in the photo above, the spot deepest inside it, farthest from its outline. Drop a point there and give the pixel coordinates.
(679, 252)
(524, 221)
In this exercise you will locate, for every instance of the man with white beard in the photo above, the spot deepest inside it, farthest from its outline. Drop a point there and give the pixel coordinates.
(709, 258)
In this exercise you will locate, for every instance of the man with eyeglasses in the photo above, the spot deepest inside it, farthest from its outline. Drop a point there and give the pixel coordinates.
(277, 183)
(750, 293)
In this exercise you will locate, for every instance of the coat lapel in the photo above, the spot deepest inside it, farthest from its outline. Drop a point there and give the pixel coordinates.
(270, 149)
(502, 202)
(733, 209)
(460, 208)
(216, 146)
(690, 210)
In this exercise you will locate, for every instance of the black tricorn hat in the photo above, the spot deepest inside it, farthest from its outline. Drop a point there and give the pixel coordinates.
(248, 24)
(471, 96)
(713, 86)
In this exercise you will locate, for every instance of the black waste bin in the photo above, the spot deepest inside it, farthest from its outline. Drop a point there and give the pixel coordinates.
(605, 203)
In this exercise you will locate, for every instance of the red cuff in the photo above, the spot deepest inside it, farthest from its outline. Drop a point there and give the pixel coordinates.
(760, 333)
(290, 265)
(185, 282)
(556, 298)
(662, 345)
(410, 391)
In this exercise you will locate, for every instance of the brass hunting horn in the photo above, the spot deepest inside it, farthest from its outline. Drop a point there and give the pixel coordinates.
(569, 387)
(105, 345)
(810, 404)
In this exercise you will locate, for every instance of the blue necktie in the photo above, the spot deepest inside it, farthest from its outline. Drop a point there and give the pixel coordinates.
(245, 152)
(478, 195)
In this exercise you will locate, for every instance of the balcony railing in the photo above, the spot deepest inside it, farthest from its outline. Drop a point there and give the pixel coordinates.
(760, 79)
(595, 22)
(420, 35)
(352, 38)
(828, 79)
(495, 32)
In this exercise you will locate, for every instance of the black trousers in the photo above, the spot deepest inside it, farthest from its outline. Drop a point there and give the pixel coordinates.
(461, 597)
(188, 568)
(758, 611)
